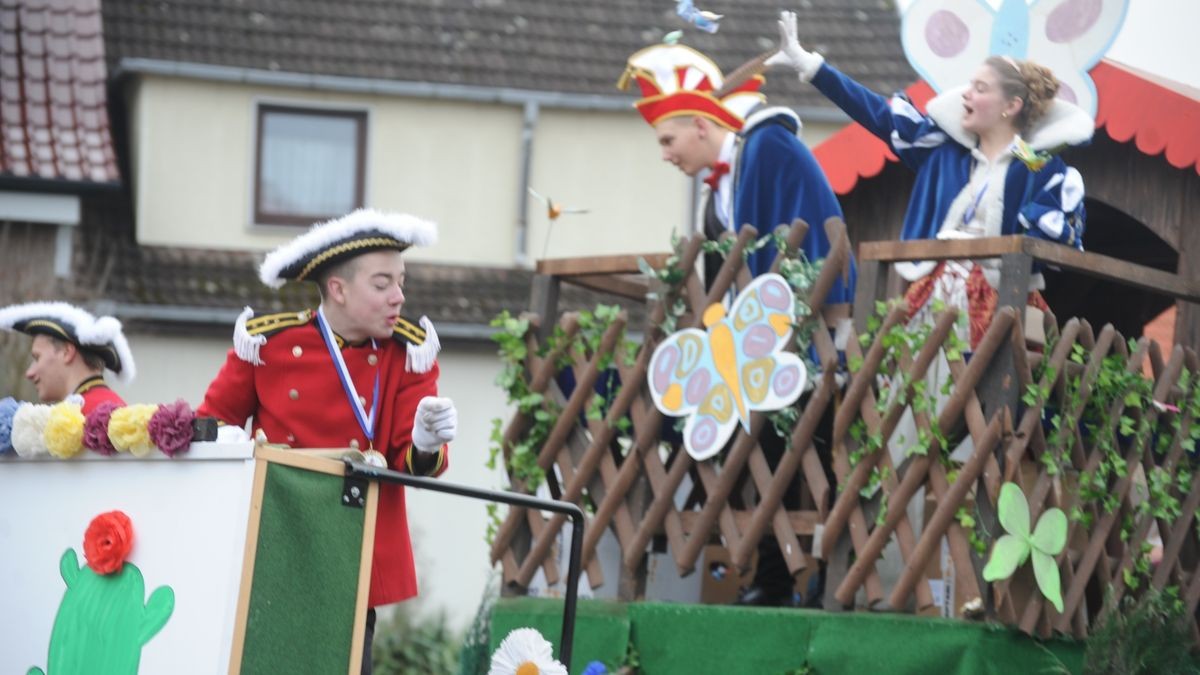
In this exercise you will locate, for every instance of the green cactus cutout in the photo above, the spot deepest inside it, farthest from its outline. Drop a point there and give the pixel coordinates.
(1012, 550)
(101, 623)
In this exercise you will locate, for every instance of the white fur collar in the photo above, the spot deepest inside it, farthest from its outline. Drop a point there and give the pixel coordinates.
(1064, 124)
(763, 114)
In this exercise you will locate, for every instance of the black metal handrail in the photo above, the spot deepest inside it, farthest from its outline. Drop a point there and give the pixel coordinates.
(362, 470)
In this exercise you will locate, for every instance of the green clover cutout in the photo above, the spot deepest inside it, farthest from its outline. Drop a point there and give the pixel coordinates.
(1012, 549)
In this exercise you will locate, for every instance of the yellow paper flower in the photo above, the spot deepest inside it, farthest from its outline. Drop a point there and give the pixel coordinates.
(63, 434)
(525, 652)
(129, 431)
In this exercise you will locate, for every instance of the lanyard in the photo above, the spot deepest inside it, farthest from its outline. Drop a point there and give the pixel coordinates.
(969, 214)
(366, 421)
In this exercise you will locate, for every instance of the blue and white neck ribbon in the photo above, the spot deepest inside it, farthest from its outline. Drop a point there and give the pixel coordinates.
(366, 421)
(969, 214)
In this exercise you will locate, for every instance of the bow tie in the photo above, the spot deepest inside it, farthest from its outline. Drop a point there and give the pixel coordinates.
(715, 172)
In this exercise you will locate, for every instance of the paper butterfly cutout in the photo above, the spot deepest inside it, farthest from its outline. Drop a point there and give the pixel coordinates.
(946, 40)
(715, 377)
(1012, 549)
(705, 21)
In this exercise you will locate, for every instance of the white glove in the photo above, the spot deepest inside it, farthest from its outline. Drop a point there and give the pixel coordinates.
(435, 423)
(790, 52)
(229, 433)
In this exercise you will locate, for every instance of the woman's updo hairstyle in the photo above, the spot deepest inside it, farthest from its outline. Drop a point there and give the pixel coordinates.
(1035, 85)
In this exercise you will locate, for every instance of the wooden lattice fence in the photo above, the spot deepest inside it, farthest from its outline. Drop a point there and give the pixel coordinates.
(923, 437)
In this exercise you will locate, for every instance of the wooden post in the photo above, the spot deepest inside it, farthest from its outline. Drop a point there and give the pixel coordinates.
(543, 301)
(871, 280)
(1000, 387)
(631, 583)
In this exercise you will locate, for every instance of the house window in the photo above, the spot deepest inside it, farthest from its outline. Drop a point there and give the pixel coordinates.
(310, 164)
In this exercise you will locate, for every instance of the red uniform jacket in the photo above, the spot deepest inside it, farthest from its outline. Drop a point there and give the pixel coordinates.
(295, 397)
(94, 392)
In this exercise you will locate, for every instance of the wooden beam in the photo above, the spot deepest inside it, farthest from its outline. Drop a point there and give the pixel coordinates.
(1112, 269)
(1091, 264)
(626, 286)
(938, 249)
(600, 264)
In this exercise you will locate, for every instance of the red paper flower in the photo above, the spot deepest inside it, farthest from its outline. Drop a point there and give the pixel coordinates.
(107, 542)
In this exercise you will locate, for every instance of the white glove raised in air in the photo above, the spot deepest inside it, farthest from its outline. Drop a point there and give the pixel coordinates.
(790, 52)
(435, 423)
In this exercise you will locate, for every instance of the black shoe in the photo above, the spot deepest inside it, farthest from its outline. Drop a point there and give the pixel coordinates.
(757, 596)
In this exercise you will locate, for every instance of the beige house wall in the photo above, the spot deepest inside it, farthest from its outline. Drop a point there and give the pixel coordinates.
(457, 163)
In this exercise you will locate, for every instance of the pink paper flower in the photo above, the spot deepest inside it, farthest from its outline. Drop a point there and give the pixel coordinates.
(95, 429)
(171, 427)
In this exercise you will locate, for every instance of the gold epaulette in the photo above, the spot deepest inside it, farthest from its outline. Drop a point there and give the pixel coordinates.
(269, 324)
(408, 332)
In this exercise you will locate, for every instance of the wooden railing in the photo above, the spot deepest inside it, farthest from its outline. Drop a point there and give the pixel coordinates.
(1075, 426)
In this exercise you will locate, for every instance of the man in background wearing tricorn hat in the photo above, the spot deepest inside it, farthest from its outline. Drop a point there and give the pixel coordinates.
(352, 373)
(70, 351)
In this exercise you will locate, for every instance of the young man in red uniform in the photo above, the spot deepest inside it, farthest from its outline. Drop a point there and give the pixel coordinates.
(70, 351)
(352, 373)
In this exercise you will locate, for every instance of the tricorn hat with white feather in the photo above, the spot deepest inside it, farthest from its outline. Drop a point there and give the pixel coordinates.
(331, 242)
(101, 336)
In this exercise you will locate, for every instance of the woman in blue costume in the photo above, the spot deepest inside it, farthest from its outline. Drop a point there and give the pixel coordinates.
(985, 164)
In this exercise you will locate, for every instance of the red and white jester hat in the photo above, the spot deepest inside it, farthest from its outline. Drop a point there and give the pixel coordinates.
(676, 80)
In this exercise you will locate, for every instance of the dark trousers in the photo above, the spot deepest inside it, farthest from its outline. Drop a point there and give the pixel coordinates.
(771, 574)
(368, 638)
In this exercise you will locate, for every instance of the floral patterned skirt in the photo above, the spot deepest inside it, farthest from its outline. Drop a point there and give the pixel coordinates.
(961, 285)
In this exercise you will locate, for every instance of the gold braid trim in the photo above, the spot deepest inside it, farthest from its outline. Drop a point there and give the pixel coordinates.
(371, 242)
(89, 384)
(43, 323)
(408, 331)
(273, 323)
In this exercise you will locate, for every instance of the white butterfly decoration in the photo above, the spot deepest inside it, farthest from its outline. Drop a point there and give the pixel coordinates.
(715, 377)
(945, 40)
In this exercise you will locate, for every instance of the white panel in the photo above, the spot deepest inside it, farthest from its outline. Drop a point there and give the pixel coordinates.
(31, 207)
(189, 520)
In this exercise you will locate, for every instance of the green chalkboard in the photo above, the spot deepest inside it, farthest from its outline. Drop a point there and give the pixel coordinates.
(305, 582)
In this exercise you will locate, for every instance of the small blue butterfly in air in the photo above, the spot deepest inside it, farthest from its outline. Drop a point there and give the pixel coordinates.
(705, 21)
(715, 377)
(945, 40)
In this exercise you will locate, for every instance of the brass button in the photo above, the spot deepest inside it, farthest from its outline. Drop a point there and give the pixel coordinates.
(291, 438)
(297, 351)
(363, 400)
(354, 443)
(295, 395)
(372, 359)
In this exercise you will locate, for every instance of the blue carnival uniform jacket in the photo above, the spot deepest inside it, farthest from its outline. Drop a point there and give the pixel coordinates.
(777, 180)
(937, 148)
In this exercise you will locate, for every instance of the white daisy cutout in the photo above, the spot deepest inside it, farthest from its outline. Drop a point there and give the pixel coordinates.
(525, 652)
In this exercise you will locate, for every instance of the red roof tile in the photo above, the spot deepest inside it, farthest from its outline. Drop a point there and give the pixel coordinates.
(52, 88)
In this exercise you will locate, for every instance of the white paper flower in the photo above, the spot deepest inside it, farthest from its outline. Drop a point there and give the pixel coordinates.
(525, 652)
(27, 426)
